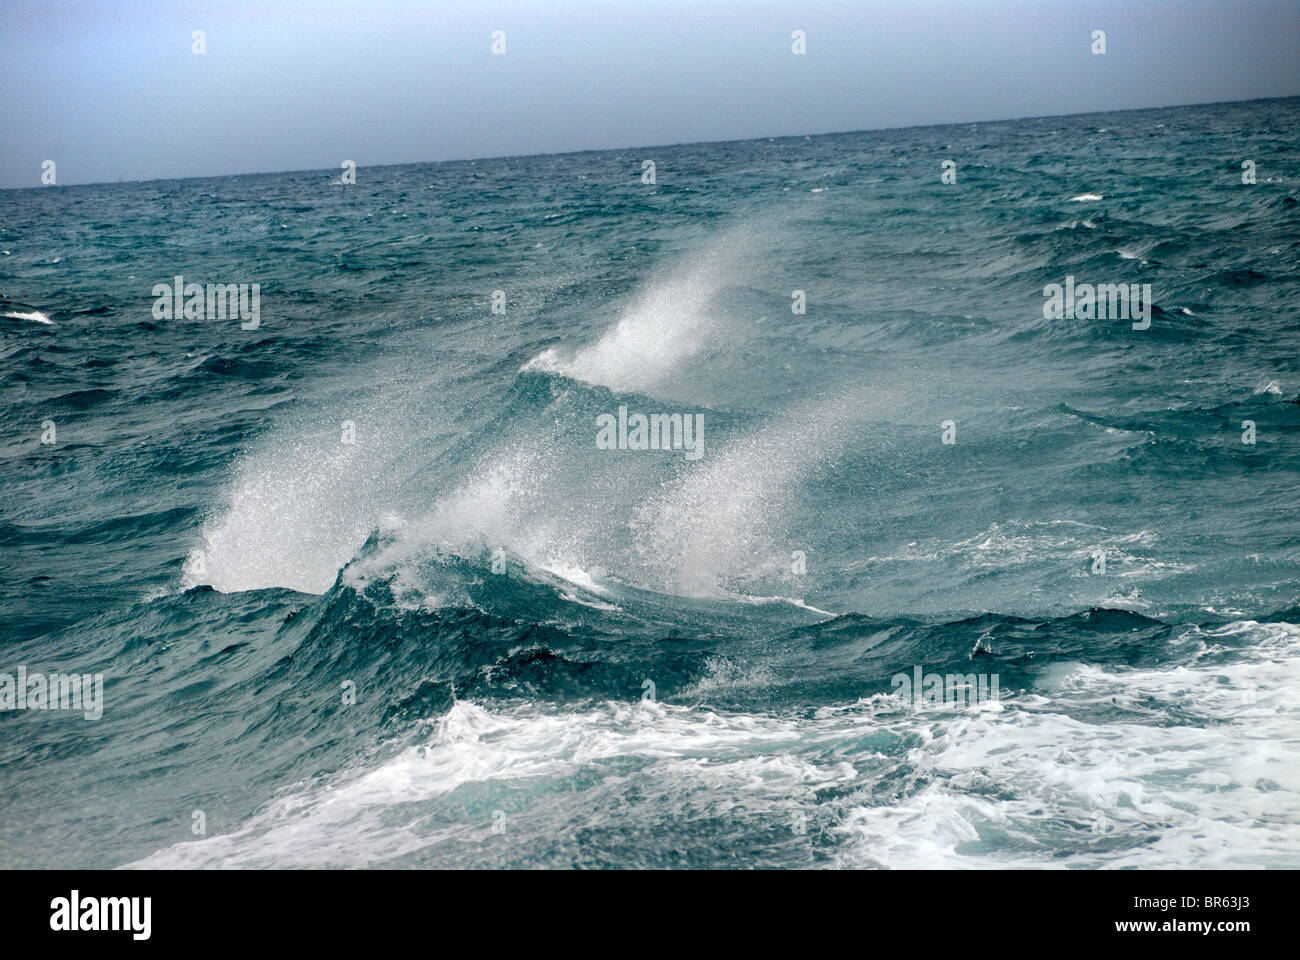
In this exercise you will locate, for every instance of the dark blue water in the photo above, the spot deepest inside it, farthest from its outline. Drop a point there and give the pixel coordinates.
(473, 637)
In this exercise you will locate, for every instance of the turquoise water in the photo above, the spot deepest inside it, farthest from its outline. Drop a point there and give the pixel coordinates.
(473, 637)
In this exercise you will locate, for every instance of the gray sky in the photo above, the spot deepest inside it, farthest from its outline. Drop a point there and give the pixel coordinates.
(112, 89)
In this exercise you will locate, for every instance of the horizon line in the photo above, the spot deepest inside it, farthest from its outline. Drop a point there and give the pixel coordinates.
(661, 146)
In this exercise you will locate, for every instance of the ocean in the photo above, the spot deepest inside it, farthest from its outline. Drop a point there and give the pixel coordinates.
(784, 503)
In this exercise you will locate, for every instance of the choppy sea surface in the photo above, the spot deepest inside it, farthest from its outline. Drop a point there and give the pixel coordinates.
(474, 638)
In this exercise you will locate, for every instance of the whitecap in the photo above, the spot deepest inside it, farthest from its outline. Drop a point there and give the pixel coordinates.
(35, 315)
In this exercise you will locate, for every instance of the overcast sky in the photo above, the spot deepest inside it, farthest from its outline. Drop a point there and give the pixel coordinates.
(113, 90)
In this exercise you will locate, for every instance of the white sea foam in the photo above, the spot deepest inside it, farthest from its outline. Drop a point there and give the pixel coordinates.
(372, 815)
(34, 315)
(1271, 387)
(1002, 546)
(1013, 783)
(1219, 791)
